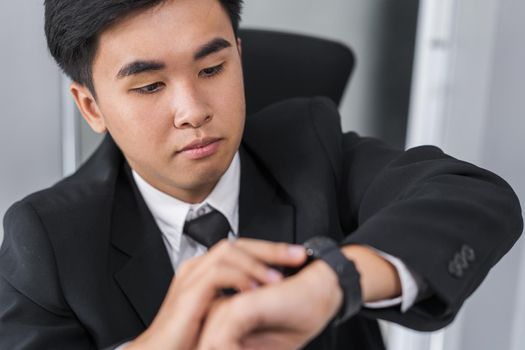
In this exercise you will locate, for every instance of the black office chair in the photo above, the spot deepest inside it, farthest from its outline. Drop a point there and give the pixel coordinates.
(279, 65)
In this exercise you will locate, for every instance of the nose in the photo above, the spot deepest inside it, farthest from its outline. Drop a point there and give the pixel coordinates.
(190, 109)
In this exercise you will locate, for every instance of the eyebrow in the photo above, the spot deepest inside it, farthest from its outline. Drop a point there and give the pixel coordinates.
(210, 47)
(142, 66)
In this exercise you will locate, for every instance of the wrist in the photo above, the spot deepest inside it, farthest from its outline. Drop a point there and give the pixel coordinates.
(145, 340)
(328, 251)
(379, 278)
(158, 336)
(323, 279)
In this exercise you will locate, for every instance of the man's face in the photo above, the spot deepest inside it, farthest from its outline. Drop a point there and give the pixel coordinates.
(170, 92)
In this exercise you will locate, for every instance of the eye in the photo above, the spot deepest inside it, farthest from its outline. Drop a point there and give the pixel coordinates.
(211, 71)
(149, 89)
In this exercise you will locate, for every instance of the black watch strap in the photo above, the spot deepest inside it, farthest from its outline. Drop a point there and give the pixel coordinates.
(328, 250)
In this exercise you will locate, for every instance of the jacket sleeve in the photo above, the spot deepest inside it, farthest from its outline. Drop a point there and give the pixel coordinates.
(33, 312)
(449, 221)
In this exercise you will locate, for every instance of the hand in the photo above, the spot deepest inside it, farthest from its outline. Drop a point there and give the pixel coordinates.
(288, 314)
(280, 316)
(241, 265)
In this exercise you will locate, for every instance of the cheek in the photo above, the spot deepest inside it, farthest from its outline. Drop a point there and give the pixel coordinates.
(137, 113)
(229, 100)
(136, 124)
(237, 86)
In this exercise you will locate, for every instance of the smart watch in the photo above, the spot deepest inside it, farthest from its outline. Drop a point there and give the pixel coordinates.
(326, 249)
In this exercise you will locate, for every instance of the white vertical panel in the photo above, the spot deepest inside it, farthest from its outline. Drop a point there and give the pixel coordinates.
(432, 71)
(493, 106)
(470, 102)
(400, 338)
(426, 123)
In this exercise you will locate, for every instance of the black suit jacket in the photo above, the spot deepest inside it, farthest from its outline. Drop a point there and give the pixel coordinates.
(83, 264)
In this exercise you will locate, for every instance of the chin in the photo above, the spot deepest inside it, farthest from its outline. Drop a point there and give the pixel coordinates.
(198, 177)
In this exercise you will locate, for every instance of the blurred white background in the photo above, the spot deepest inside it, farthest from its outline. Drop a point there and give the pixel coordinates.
(445, 72)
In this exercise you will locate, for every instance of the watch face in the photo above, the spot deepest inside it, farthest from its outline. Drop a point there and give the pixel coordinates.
(317, 246)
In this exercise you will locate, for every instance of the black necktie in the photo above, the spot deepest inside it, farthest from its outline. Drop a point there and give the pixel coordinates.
(208, 229)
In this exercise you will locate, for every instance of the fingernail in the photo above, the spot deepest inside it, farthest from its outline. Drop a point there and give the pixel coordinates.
(274, 276)
(296, 251)
(254, 285)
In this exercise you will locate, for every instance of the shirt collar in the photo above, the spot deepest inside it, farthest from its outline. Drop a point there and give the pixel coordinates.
(225, 196)
(170, 213)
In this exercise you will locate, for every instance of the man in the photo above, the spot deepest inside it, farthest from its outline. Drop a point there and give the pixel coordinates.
(90, 262)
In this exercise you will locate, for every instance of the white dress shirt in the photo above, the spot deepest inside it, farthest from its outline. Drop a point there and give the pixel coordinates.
(170, 215)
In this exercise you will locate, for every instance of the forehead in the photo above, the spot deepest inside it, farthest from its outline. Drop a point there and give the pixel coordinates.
(173, 29)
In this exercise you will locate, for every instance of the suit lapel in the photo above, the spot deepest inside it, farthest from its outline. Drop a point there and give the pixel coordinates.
(147, 272)
(263, 214)
(146, 275)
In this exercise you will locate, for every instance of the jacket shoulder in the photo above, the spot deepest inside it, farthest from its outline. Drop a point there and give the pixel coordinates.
(38, 227)
(26, 257)
(291, 118)
(296, 131)
(91, 183)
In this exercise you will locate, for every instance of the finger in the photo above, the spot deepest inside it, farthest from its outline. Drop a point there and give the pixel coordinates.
(198, 294)
(228, 253)
(222, 277)
(275, 339)
(188, 266)
(248, 256)
(273, 253)
(220, 264)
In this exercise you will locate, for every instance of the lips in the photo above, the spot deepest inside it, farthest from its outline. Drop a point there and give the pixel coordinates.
(201, 148)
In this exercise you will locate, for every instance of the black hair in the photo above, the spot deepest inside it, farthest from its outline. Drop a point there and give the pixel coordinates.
(72, 29)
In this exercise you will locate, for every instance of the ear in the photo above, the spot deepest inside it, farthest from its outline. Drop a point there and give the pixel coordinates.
(239, 46)
(88, 107)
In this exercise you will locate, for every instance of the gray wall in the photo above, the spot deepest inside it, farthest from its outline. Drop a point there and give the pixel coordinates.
(30, 131)
(485, 124)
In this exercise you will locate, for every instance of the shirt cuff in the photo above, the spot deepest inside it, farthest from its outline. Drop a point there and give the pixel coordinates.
(122, 346)
(409, 286)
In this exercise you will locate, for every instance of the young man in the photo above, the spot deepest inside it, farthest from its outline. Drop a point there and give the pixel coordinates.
(90, 262)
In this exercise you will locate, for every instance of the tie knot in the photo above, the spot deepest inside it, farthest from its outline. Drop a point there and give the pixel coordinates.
(208, 229)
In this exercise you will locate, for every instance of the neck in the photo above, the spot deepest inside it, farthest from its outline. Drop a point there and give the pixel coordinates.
(191, 194)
